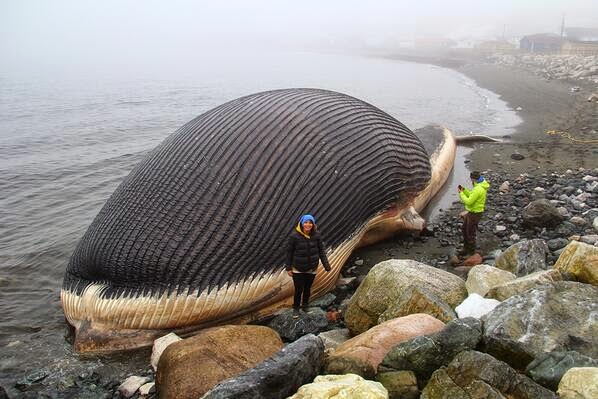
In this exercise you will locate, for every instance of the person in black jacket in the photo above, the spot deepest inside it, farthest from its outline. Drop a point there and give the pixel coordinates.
(304, 252)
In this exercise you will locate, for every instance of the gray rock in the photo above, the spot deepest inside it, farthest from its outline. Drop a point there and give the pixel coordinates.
(589, 239)
(523, 258)
(310, 322)
(278, 377)
(557, 243)
(558, 316)
(476, 375)
(399, 384)
(334, 338)
(548, 368)
(31, 379)
(324, 302)
(541, 213)
(426, 353)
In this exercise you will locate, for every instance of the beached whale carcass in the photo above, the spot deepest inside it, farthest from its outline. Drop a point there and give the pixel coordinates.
(195, 235)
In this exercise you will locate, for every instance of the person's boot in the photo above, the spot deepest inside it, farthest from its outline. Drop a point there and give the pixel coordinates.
(468, 250)
(305, 308)
(296, 313)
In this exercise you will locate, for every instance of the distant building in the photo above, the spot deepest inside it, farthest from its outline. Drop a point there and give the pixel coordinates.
(431, 43)
(541, 43)
(571, 47)
(582, 34)
(495, 46)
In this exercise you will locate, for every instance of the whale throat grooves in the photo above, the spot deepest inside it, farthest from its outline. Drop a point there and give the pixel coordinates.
(212, 206)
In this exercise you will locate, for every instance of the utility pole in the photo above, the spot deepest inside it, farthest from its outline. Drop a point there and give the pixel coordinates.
(563, 26)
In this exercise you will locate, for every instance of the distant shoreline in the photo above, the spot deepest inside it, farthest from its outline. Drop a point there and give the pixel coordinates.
(543, 105)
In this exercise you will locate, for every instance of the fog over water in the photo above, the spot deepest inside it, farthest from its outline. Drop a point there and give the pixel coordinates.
(112, 36)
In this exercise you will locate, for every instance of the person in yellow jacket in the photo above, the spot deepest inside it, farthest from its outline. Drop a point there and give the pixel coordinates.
(474, 201)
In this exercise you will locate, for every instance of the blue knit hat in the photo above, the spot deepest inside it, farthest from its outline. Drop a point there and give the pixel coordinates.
(305, 218)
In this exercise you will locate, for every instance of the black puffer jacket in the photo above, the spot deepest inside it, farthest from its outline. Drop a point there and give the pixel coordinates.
(304, 253)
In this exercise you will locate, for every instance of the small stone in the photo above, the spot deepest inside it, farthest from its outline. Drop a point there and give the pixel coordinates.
(517, 157)
(476, 306)
(345, 281)
(160, 345)
(514, 237)
(334, 338)
(589, 239)
(131, 385)
(358, 262)
(148, 388)
(473, 260)
(504, 187)
(30, 379)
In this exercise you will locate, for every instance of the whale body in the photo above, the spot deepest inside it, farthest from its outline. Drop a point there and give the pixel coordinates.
(196, 234)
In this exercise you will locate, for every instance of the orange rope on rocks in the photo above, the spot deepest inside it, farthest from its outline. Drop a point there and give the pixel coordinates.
(570, 137)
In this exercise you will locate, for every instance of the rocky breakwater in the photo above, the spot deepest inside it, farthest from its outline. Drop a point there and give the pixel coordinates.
(553, 66)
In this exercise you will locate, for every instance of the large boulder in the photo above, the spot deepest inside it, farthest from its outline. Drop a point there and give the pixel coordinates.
(418, 300)
(524, 284)
(362, 354)
(523, 258)
(399, 384)
(579, 383)
(556, 317)
(425, 354)
(482, 278)
(387, 281)
(541, 213)
(279, 376)
(475, 375)
(580, 260)
(290, 328)
(191, 367)
(348, 386)
(548, 369)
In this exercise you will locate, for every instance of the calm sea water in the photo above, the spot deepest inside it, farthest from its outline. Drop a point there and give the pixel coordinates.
(67, 142)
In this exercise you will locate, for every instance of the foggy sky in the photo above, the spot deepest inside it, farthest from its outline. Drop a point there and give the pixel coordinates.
(58, 34)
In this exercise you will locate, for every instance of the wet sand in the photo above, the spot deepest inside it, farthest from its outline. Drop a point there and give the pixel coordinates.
(545, 106)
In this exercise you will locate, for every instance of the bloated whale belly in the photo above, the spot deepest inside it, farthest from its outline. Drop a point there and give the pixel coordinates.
(196, 234)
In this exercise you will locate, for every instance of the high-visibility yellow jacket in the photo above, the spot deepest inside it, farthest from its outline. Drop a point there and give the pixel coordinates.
(475, 199)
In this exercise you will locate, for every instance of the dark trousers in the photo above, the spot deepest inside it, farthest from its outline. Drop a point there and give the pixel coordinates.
(302, 282)
(469, 229)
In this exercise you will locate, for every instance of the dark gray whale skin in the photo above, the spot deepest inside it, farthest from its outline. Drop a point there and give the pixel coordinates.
(214, 203)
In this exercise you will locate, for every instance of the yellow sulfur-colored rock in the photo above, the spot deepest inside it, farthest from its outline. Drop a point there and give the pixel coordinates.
(579, 383)
(581, 260)
(346, 386)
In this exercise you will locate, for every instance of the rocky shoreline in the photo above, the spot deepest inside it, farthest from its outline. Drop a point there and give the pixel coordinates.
(535, 168)
(575, 67)
(428, 305)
